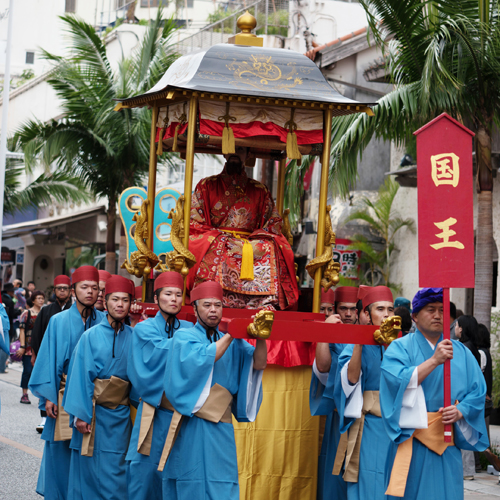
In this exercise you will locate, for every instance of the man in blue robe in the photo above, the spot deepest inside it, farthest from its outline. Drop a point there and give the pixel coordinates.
(207, 378)
(151, 340)
(321, 403)
(411, 400)
(97, 401)
(48, 380)
(364, 442)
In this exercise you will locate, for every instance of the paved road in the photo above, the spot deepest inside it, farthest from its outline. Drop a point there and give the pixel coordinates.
(21, 447)
(17, 430)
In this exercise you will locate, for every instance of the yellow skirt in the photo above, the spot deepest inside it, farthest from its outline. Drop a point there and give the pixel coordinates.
(278, 453)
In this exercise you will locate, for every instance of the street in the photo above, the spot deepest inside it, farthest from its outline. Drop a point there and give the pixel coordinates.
(21, 447)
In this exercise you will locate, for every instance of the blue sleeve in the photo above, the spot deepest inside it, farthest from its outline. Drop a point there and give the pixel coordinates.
(147, 362)
(472, 406)
(338, 393)
(189, 365)
(396, 372)
(321, 400)
(46, 376)
(247, 400)
(82, 372)
(4, 337)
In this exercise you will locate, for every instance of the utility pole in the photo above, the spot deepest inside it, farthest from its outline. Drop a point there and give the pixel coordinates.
(5, 116)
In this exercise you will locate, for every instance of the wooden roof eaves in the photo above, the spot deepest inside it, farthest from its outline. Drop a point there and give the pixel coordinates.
(170, 96)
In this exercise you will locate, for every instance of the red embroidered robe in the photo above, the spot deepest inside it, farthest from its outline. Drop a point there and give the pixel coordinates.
(237, 203)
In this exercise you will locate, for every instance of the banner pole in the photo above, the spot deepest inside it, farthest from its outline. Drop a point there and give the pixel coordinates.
(446, 368)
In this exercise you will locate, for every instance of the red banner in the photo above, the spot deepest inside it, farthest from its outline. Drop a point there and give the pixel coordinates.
(445, 204)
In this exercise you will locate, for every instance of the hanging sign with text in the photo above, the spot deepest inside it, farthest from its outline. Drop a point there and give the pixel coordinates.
(445, 204)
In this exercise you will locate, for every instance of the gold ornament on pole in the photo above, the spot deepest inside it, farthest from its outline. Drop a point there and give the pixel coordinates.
(180, 259)
(330, 268)
(388, 330)
(143, 259)
(262, 325)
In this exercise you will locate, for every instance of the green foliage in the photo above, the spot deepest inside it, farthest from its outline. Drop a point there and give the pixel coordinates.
(277, 22)
(107, 150)
(26, 75)
(440, 57)
(495, 355)
(384, 223)
(47, 188)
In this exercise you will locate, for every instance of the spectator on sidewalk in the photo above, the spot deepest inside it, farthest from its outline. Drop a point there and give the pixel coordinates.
(12, 311)
(26, 324)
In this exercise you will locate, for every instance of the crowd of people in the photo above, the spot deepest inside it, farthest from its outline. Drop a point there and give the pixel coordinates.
(147, 411)
(143, 408)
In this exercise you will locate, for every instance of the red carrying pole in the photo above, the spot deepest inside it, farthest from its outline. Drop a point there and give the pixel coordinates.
(446, 371)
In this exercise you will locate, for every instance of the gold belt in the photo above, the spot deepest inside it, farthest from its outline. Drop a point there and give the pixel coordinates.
(217, 408)
(62, 431)
(432, 438)
(147, 422)
(350, 442)
(110, 393)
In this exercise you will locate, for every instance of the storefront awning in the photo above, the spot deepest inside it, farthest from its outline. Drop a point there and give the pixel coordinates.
(37, 225)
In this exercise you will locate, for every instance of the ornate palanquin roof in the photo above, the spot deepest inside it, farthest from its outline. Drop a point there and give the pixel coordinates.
(262, 75)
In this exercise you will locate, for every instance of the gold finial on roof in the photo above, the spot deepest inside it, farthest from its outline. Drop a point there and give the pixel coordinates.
(246, 23)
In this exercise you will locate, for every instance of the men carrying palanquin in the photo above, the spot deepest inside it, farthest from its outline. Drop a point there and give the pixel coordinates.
(151, 341)
(364, 443)
(97, 401)
(209, 377)
(48, 380)
(236, 237)
(420, 465)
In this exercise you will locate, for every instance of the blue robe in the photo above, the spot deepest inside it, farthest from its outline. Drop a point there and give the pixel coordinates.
(104, 474)
(443, 474)
(321, 402)
(4, 337)
(63, 333)
(375, 442)
(146, 370)
(202, 464)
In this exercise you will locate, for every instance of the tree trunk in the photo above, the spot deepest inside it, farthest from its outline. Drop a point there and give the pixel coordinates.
(483, 292)
(110, 237)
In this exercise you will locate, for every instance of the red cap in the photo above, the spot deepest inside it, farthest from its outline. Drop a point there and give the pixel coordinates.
(346, 294)
(207, 290)
(116, 283)
(362, 291)
(377, 294)
(138, 292)
(85, 273)
(169, 278)
(62, 279)
(328, 297)
(104, 275)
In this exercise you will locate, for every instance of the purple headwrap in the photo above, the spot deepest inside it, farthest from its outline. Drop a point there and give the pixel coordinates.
(426, 296)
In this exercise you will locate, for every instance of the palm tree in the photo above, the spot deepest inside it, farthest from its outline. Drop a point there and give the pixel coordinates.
(441, 56)
(47, 188)
(107, 150)
(384, 223)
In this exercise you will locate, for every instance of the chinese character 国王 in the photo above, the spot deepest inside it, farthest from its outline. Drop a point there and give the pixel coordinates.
(445, 169)
(446, 235)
